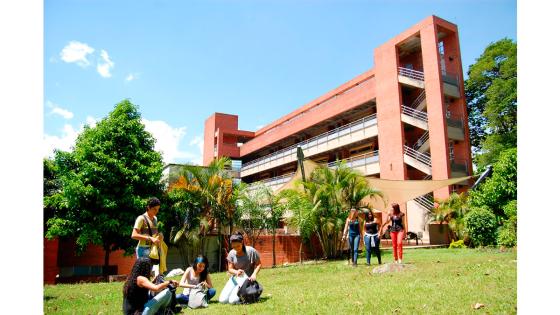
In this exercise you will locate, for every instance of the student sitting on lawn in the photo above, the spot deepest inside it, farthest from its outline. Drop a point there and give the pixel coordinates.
(243, 261)
(135, 291)
(371, 237)
(196, 275)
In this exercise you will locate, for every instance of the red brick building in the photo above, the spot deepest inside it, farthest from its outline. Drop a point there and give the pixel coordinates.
(405, 118)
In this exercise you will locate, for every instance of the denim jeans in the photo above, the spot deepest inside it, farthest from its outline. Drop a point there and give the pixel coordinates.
(369, 248)
(161, 300)
(354, 242)
(184, 299)
(142, 251)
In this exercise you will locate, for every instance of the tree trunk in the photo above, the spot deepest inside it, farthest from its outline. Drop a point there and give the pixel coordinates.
(273, 248)
(322, 244)
(300, 250)
(106, 263)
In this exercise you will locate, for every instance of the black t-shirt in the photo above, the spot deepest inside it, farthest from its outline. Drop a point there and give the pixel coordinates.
(397, 223)
(371, 227)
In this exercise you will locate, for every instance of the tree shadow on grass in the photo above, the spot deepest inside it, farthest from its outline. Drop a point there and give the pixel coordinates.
(48, 298)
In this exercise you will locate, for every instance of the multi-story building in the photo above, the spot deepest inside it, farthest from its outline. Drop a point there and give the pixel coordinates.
(405, 118)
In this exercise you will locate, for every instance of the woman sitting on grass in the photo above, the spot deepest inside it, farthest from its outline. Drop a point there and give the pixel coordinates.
(243, 261)
(135, 291)
(196, 275)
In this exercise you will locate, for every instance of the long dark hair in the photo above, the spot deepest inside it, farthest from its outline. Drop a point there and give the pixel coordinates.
(142, 267)
(396, 209)
(372, 216)
(201, 259)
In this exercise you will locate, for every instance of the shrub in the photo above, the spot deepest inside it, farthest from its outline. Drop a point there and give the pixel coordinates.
(507, 234)
(481, 224)
(457, 244)
(510, 209)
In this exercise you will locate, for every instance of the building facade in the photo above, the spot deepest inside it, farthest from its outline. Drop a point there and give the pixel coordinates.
(403, 119)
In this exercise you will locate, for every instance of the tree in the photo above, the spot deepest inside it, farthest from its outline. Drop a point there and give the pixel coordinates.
(252, 210)
(491, 93)
(106, 181)
(302, 216)
(452, 210)
(275, 210)
(501, 188)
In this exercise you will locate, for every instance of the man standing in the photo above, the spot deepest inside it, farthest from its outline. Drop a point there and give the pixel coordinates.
(145, 229)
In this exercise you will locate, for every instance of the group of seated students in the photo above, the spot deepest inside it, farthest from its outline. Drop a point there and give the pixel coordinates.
(243, 262)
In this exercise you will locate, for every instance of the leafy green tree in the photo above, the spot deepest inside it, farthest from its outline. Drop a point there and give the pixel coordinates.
(452, 210)
(275, 209)
(491, 92)
(301, 217)
(251, 206)
(106, 181)
(501, 188)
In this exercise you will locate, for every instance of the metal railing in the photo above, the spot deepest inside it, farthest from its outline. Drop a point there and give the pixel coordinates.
(353, 162)
(419, 100)
(359, 160)
(420, 142)
(360, 124)
(424, 158)
(425, 201)
(415, 113)
(411, 73)
(458, 165)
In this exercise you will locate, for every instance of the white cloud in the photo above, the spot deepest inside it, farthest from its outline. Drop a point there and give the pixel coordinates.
(104, 67)
(259, 127)
(55, 109)
(198, 141)
(91, 121)
(168, 140)
(63, 143)
(131, 76)
(76, 52)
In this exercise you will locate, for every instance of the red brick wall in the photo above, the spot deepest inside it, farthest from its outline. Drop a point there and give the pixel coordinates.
(50, 261)
(287, 249)
(93, 256)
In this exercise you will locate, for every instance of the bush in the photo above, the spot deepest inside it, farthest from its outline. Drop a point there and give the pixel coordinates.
(457, 244)
(481, 224)
(507, 234)
(510, 209)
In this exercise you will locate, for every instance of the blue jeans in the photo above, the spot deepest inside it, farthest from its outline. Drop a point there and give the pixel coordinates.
(184, 299)
(142, 251)
(354, 242)
(367, 241)
(158, 302)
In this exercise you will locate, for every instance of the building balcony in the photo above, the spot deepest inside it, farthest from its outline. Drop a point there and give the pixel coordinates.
(359, 130)
(366, 164)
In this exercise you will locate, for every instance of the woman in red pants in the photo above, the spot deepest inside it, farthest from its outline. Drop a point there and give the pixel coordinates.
(397, 230)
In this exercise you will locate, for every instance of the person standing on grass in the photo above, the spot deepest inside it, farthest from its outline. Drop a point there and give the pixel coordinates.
(353, 230)
(371, 236)
(145, 224)
(135, 290)
(397, 229)
(243, 261)
(196, 275)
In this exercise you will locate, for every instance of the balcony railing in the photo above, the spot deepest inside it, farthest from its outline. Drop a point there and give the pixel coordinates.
(410, 73)
(353, 162)
(315, 141)
(421, 141)
(450, 78)
(458, 165)
(419, 156)
(359, 160)
(418, 114)
(421, 97)
(457, 123)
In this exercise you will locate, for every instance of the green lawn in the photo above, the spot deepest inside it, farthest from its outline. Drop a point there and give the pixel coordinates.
(443, 281)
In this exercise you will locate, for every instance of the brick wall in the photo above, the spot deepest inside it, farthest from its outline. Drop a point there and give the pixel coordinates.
(287, 249)
(50, 261)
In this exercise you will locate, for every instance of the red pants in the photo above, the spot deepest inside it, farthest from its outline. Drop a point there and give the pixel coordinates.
(397, 238)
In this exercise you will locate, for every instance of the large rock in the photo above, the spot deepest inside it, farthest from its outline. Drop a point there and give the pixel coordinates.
(392, 267)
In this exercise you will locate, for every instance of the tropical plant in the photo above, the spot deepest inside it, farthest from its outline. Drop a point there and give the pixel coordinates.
(302, 210)
(452, 211)
(275, 209)
(252, 210)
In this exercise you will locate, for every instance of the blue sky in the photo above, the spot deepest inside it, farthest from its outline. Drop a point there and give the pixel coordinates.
(181, 61)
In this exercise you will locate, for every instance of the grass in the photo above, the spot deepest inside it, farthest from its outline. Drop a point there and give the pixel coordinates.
(444, 281)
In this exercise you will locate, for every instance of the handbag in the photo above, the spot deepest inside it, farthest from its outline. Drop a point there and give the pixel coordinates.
(154, 248)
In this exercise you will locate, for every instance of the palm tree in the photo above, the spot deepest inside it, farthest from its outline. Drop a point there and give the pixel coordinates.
(301, 216)
(452, 210)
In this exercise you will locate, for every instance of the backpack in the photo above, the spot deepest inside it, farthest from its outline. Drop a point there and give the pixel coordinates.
(198, 297)
(249, 292)
(172, 307)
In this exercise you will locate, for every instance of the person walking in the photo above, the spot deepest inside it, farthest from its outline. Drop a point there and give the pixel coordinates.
(371, 237)
(397, 229)
(353, 231)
